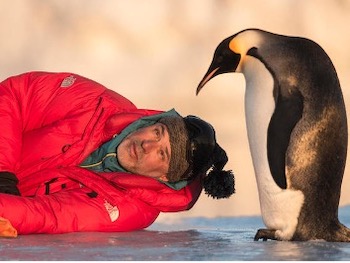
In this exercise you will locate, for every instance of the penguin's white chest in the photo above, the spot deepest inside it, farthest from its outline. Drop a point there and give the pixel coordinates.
(280, 208)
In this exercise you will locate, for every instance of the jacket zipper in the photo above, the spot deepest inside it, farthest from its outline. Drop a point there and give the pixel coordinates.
(100, 162)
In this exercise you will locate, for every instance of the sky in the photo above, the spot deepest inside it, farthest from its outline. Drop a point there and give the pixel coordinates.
(155, 53)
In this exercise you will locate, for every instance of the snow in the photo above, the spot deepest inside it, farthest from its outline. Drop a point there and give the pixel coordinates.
(197, 238)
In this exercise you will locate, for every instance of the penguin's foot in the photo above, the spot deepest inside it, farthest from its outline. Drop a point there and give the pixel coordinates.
(265, 234)
(343, 234)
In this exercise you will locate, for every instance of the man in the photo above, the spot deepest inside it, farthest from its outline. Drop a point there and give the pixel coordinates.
(76, 156)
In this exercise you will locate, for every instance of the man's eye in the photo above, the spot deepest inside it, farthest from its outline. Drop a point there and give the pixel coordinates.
(157, 133)
(162, 154)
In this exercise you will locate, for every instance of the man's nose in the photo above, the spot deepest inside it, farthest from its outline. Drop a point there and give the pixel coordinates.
(149, 145)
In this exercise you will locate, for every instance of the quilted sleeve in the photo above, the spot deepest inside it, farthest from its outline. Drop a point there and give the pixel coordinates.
(73, 211)
(11, 128)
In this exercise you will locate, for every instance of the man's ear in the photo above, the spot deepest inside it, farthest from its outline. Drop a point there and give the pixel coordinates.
(164, 178)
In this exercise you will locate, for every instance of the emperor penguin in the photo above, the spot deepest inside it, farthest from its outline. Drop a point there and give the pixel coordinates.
(297, 131)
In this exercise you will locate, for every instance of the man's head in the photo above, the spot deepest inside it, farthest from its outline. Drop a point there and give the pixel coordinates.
(177, 149)
(146, 151)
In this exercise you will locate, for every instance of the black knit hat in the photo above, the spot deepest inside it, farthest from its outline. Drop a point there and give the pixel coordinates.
(194, 151)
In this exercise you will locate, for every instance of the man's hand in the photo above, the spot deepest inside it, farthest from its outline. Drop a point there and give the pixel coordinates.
(6, 229)
(8, 183)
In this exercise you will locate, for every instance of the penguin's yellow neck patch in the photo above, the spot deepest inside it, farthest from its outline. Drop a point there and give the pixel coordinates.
(236, 46)
(245, 41)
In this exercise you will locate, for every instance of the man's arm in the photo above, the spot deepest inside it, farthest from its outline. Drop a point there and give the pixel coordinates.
(11, 134)
(75, 210)
(31, 101)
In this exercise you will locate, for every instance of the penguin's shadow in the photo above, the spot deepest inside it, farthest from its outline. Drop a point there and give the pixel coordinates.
(296, 250)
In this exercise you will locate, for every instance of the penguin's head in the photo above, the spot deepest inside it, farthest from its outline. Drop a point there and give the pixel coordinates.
(231, 53)
(225, 60)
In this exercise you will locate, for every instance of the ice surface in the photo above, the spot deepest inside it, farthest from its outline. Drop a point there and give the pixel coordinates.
(229, 238)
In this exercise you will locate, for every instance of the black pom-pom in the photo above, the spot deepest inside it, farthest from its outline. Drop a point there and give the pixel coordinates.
(219, 184)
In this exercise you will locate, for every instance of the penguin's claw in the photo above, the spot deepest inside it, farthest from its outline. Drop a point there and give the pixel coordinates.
(265, 234)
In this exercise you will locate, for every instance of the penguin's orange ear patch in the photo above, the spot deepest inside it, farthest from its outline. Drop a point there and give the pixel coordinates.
(6, 229)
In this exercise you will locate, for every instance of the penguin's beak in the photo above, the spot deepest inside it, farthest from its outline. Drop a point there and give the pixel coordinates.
(208, 76)
(221, 64)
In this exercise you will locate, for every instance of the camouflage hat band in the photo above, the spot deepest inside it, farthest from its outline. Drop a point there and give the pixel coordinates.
(178, 137)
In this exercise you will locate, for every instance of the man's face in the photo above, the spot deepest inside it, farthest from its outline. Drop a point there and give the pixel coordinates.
(146, 151)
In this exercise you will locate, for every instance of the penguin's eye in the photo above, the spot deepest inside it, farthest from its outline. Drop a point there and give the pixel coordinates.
(219, 59)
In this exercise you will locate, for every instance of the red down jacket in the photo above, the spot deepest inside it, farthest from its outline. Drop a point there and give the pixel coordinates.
(50, 123)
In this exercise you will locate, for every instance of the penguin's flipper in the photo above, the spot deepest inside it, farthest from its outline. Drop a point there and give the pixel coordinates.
(288, 111)
(265, 234)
